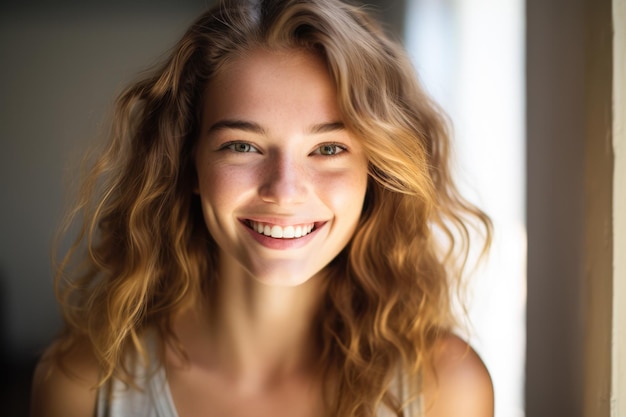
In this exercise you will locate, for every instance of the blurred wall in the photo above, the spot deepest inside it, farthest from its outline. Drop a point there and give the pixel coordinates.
(618, 382)
(573, 328)
(555, 206)
(62, 67)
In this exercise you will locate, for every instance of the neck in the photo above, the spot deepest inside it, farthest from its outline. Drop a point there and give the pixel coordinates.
(258, 333)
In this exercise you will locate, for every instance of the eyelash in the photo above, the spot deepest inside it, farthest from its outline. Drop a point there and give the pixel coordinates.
(338, 149)
(231, 146)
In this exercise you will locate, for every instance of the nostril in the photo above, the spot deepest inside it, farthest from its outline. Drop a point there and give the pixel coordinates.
(283, 191)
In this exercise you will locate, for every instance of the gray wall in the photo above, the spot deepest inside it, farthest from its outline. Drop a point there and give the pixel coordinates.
(61, 68)
(569, 207)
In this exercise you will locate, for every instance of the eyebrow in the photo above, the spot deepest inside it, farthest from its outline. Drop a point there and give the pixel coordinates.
(327, 127)
(257, 128)
(238, 125)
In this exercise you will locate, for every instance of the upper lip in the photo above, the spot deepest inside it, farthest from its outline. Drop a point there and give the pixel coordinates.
(283, 222)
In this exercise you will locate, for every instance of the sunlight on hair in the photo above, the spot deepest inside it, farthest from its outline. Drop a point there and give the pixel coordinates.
(469, 55)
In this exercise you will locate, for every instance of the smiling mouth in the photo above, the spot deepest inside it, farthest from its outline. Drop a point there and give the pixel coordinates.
(281, 232)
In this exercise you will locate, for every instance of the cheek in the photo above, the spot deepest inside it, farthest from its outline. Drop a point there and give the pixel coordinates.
(345, 192)
(220, 189)
(220, 195)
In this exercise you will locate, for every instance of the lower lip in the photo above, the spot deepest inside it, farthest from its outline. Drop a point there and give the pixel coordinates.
(282, 244)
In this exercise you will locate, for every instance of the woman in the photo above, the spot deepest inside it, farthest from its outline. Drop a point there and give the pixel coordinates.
(272, 230)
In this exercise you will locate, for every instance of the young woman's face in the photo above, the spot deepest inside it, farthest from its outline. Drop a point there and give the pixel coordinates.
(280, 179)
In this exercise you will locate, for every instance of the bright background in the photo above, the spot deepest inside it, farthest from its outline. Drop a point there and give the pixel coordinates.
(470, 56)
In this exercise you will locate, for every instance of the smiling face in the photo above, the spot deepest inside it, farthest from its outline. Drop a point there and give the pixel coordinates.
(281, 180)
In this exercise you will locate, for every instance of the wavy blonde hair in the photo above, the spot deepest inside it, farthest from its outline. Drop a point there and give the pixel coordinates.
(146, 247)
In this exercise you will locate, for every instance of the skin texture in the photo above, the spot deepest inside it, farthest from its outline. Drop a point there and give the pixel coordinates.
(280, 108)
(272, 149)
(462, 386)
(65, 392)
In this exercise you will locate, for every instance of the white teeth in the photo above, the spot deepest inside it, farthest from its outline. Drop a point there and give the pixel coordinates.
(288, 232)
(278, 232)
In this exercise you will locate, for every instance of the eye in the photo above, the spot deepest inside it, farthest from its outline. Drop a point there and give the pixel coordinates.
(240, 147)
(329, 149)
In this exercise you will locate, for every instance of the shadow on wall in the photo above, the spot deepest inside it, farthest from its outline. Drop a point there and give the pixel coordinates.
(16, 369)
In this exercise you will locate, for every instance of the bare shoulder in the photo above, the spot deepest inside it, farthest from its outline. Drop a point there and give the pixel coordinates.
(68, 391)
(461, 385)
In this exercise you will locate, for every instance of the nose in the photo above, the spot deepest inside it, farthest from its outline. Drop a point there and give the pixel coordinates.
(283, 181)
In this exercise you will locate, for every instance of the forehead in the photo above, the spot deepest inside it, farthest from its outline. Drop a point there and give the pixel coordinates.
(264, 84)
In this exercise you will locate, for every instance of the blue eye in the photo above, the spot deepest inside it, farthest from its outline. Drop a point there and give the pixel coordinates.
(241, 147)
(329, 149)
